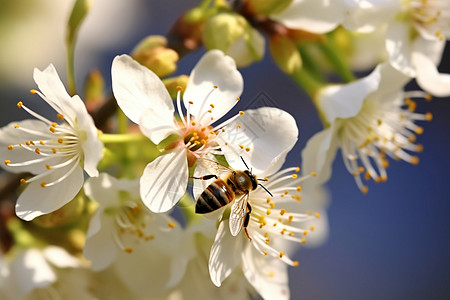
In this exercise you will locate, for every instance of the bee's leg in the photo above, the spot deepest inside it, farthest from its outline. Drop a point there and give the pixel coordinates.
(247, 220)
(206, 177)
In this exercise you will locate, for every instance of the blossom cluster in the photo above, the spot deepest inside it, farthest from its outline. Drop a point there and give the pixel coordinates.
(182, 195)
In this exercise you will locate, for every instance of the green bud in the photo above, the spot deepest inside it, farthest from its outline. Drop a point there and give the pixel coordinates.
(172, 84)
(153, 53)
(285, 53)
(268, 7)
(94, 87)
(232, 34)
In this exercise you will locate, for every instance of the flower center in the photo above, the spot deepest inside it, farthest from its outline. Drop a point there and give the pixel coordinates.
(378, 131)
(431, 17)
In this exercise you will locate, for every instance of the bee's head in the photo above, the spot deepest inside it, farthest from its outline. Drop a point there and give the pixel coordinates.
(252, 178)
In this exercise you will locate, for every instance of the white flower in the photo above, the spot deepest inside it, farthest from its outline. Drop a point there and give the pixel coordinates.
(56, 152)
(370, 119)
(144, 246)
(318, 16)
(275, 224)
(415, 36)
(213, 89)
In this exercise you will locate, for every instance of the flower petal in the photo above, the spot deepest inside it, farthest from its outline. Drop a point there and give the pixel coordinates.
(318, 16)
(164, 181)
(157, 125)
(136, 88)
(399, 47)
(345, 101)
(92, 146)
(36, 200)
(225, 254)
(429, 78)
(213, 69)
(60, 258)
(319, 153)
(268, 128)
(30, 270)
(266, 274)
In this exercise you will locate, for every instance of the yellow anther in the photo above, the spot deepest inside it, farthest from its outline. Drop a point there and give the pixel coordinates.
(52, 129)
(299, 188)
(367, 176)
(312, 227)
(414, 160)
(286, 192)
(365, 189)
(419, 148)
(37, 151)
(267, 241)
(19, 104)
(41, 142)
(7, 161)
(383, 178)
(272, 204)
(16, 126)
(23, 181)
(428, 97)
(33, 91)
(302, 240)
(281, 254)
(295, 263)
(171, 224)
(241, 112)
(271, 274)
(308, 212)
(266, 234)
(128, 250)
(268, 211)
(419, 130)
(385, 163)
(282, 211)
(238, 98)
(283, 231)
(305, 232)
(179, 88)
(48, 167)
(241, 146)
(215, 86)
(268, 200)
(60, 116)
(191, 102)
(247, 149)
(10, 147)
(54, 150)
(32, 143)
(294, 176)
(212, 105)
(43, 184)
(314, 174)
(317, 215)
(290, 219)
(54, 124)
(193, 123)
(239, 126)
(428, 116)
(264, 252)
(360, 169)
(149, 237)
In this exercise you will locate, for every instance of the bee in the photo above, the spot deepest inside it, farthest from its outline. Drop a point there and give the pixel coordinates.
(230, 185)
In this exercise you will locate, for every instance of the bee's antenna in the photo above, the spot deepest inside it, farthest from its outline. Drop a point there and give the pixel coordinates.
(262, 179)
(244, 163)
(265, 189)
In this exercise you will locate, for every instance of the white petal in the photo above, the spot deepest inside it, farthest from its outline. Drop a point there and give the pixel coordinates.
(225, 254)
(433, 50)
(51, 86)
(399, 47)
(213, 69)
(319, 153)
(345, 101)
(318, 16)
(157, 124)
(247, 49)
(30, 270)
(11, 136)
(136, 88)
(367, 15)
(268, 132)
(36, 200)
(92, 146)
(164, 181)
(60, 258)
(429, 78)
(266, 274)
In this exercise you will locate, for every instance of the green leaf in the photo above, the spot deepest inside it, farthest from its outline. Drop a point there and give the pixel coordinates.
(79, 13)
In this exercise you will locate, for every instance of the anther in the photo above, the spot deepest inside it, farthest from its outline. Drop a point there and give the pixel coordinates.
(128, 250)
(295, 263)
(52, 129)
(419, 130)
(23, 181)
(37, 151)
(294, 176)
(247, 149)
(215, 86)
(302, 240)
(281, 254)
(54, 124)
(428, 116)
(238, 98)
(365, 189)
(41, 142)
(10, 147)
(317, 215)
(264, 252)
(297, 169)
(19, 104)
(60, 116)
(171, 224)
(33, 91)
(299, 188)
(282, 211)
(314, 174)
(16, 126)
(54, 150)
(43, 184)
(191, 102)
(60, 140)
(179, 88)
(414, 160)
(241, 112)
(312, 227)
(241, 146)
(7, 161)
(48, 167)
(212, 105)
(305, 232)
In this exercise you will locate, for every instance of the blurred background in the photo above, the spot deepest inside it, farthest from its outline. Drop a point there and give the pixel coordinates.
(393, 243)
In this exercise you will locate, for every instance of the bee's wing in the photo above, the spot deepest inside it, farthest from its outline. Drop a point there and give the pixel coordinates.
(209, 166)
(237, 214)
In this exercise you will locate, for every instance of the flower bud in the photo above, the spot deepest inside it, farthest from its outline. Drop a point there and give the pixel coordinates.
(232, 34)
(153, 53)
(285, 53)
(268, 7)
(173, 83)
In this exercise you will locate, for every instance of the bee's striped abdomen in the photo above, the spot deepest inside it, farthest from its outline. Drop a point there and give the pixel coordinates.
(216, 195)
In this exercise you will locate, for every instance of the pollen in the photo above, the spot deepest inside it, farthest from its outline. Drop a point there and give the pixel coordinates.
(294, 176)
(268, 211)
(171, 224)
(19, 104)
(314, 174)
(191, 102)
(264, 252)
(54, 150)
(305, 232)
(52, 129)
(317, 215)
(282, 211)
(43, 184)
(128, 250)
(10, 147)
(37, 151)
(415, 160)
(281, 254)
(179, 88)
(247, 149)
(312, 227)
(239, 125)
(212, 105)
(48, 167)
(365, 189)
(295, 263)
(241, 146)
(302, 240)
(419, 130)
(428, 116)
(23, 181)
(241, 112)
(33, 91)
(16, 126)
(41, 142)
(60, 116)
(299, 188)
(428, 97)
(215, 86)
(7, 161)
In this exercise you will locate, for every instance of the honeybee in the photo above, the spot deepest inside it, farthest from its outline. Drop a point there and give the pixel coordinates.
(229, 185)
